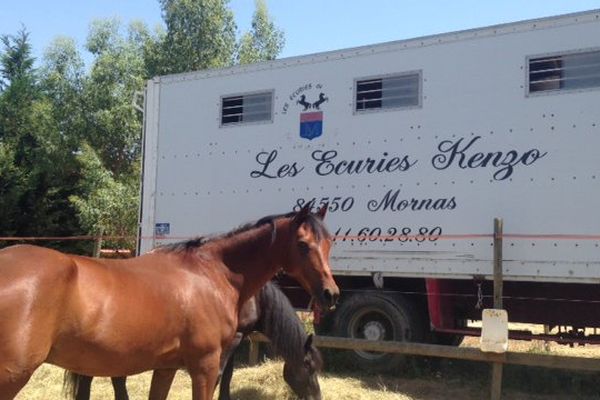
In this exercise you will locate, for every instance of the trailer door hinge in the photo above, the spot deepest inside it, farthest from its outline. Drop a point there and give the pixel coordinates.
(378, 280)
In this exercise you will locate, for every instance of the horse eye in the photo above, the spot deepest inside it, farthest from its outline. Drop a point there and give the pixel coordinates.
(309, 365)
(303, 248)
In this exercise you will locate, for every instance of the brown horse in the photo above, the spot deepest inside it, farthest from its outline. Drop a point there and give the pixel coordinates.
(270, 313)
(171, 308)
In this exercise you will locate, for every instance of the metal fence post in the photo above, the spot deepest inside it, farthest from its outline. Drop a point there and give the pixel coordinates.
(497, 367)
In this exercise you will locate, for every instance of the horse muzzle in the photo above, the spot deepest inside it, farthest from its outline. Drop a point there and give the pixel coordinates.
(329, 298)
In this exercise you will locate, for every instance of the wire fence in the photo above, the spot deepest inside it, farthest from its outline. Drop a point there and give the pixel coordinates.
(490, 236)
(522, 236)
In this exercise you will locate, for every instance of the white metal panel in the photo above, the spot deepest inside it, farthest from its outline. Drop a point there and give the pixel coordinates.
(150, 164)
(210, 178)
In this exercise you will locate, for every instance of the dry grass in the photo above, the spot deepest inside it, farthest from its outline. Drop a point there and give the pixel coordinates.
(436, 380)
(265, 383)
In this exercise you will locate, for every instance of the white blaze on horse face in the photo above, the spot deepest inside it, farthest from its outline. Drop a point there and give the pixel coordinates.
(322, 252)
(316, 261)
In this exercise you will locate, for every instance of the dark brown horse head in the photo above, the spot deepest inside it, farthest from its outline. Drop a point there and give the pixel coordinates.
(309, 256)
(302, 377)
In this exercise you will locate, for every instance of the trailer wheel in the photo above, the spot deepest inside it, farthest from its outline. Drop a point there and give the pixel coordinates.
(376, 316)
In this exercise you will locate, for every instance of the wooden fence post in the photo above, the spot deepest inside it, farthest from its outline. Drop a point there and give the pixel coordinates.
(98, 245)
(253, 355)
(497, 367)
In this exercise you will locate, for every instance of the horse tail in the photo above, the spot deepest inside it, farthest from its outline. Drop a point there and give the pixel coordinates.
(70, 384)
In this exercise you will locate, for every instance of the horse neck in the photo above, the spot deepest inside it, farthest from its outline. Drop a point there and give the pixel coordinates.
(254, 258)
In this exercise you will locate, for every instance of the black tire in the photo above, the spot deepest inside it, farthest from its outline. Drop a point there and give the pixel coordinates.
(377, 316)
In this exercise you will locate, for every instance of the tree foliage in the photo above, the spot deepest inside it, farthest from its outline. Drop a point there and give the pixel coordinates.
(106, 206)
(200, 34)
(16, 61)
(113, 127)
(35, 164)
(70, 140)
(264, 41)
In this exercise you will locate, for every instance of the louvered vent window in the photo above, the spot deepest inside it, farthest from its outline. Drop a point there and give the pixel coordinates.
(254, 107)
(399, 91)
(564, 72)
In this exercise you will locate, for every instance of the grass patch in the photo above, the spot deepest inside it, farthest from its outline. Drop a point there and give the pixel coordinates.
(426, 380)
(418, 378)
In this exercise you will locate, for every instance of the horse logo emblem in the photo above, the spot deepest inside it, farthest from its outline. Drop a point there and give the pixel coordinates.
(311, 122)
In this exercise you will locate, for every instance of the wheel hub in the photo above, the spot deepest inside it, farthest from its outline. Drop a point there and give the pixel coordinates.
(374, 330)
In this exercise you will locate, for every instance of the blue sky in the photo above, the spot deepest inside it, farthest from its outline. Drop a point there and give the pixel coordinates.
(310, 25)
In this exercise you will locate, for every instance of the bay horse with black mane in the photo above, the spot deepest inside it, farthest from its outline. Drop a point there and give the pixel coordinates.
(270, 313)
(176, 307)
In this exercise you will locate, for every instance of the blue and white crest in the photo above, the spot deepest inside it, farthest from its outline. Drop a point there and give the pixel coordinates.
(311, 116)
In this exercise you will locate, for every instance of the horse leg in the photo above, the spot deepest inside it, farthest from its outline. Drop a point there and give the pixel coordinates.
(120, 387)
(227, 370)
(204, 373)
(161, 383)
(224, 390)
(11, 383)
(17, 364)
(83, 387)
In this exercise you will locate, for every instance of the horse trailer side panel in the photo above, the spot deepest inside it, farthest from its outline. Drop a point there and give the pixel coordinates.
(415, 145)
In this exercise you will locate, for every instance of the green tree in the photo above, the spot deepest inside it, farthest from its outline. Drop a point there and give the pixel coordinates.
(107, 193)
(18, 91)
(34, 165)
(16, 63)
(264, 41)
(118, 70)
(200, 34)
(17, 83)
(62, 81)
(106, 206)
(70, 139)
(149, 44)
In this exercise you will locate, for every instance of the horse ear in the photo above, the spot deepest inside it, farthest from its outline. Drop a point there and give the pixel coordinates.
(303, 213)
(322, 211)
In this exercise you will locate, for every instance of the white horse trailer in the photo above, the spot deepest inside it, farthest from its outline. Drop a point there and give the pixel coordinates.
(416, 146)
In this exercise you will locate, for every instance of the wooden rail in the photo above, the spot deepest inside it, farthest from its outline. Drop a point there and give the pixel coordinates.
(459, 353)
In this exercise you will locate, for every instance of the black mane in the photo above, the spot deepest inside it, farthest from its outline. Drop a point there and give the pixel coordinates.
(280, 323)
(315, 223)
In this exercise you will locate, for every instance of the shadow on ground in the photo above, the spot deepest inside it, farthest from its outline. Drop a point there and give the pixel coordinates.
(420, 377)
(251, 394)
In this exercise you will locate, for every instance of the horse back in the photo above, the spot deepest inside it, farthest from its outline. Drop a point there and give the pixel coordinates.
(38, 266)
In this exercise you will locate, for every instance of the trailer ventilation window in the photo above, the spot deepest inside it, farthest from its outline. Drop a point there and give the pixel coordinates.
(246, 108)
(564, 72)
(400, 91)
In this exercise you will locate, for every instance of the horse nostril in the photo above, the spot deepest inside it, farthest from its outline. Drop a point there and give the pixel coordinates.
(330, 298)
(327, 295)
